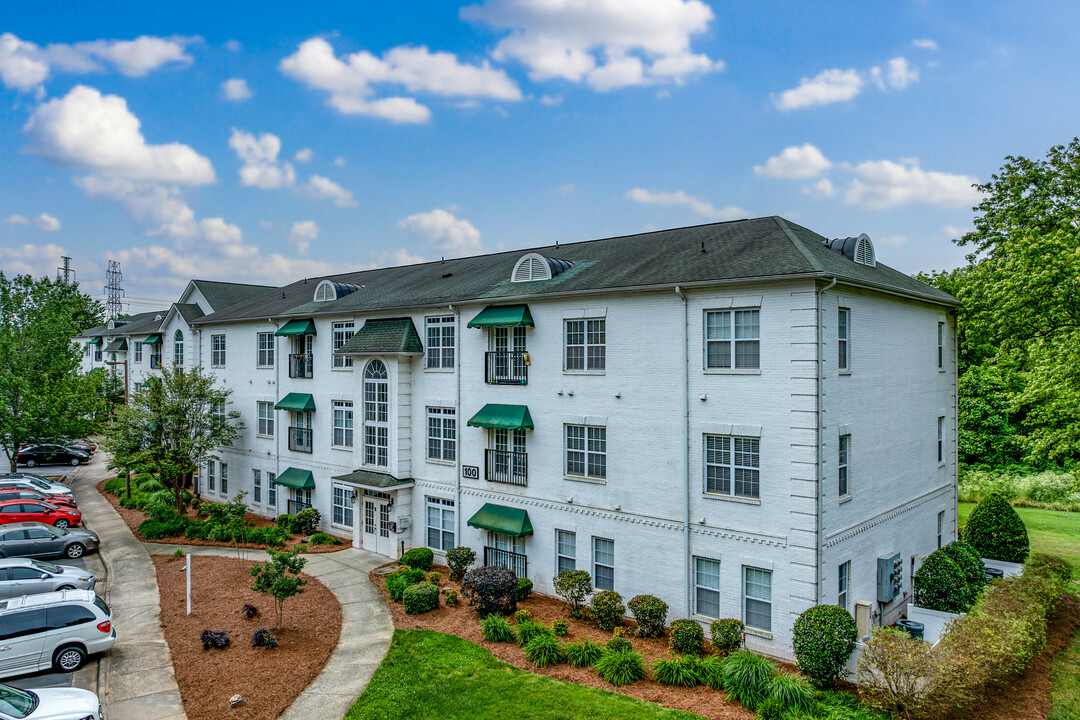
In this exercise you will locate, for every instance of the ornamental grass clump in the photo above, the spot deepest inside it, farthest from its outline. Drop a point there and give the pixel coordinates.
(711, 669)
(621, 668)
(527, 630)
(650, 613)
(490, 590)
(544, 650)
(792, 691)
(496, 628)
(584, 654)
(824, 638)
(607, 609)
(687, 637)
(747, 678)
(996, 531)
(678, 670)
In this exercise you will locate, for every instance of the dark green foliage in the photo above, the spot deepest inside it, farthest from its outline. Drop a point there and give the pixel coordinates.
(791, 691)
(524, 588)
(196, 529)
(584, 654)
(941, 584)
(527, 630)
(772, 709)
(544, 650)
(490, 590)
(560, 627)
(495, 628)
(286, 522)
(621, 668)
(727, 635)
(214, 639)
(263, 638)
(421, 558)
(711, 669)
(432, 577)
(687, 636)
(987, 431)
(1051, 566)
(420, 598)
(249, 611)
(279, 577)
(401, 579)
(522, 615)
(116, 485)
(971, 565)
(458, 559)
(320, 538)
(681, 671)
(824, 638)
(607, 609)
(152, 529)
(273, 536)
(747, 678)
(650, 613)
(450, 596)
(618, 644)
(996, 531)
(573, 586)
(306, 521)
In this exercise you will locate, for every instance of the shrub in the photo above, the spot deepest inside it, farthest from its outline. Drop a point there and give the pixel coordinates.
(273, 536)
(522, 616)
(524, 588)
(711, 669)
(996, 531)
(263, 638)
(420, 558)
(727, 635)
(544, 650)
(403, 578)
(152, 529)
(433, 578)
(286, 523)
(528, 630)
(824, 638)
(621, 668)
(687, 637)
(495, 628)
(458, 559)
(618, 644)
(249, 611)
(178, 553)
(279, 577)
(116, 486)
(607, 609)
(681, 671)
(573, 586)
(772, 709)
(300, 548)
(450, 596)
(560, 627)
(940, 584)
(791, 691)
(214, 639)
(650, 613)
(971, 565)
(584, 654)
(490, 590)
(306, 522)
(420, 598)
(747, 678)
(196, 530)
(321, 538)
(1050, 566)
(892, 671)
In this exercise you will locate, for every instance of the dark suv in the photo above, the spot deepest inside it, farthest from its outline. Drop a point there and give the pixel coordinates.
(50, 455)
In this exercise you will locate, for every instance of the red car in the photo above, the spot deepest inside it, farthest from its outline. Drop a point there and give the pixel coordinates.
(14, 492)
(13, 511)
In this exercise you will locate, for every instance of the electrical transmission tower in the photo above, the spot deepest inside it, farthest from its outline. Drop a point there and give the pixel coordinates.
(114, 291)
(65, 272)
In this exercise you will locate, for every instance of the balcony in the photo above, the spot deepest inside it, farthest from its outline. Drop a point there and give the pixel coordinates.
(155, 361)
(507, 367)
(301, 366)
(508, 467)
(300, 439)
(296, 506)
(517, 562)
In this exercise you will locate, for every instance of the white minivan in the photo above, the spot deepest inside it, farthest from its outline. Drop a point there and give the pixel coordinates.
(57, 630)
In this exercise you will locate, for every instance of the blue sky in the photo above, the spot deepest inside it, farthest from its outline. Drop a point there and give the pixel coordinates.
(216, 141)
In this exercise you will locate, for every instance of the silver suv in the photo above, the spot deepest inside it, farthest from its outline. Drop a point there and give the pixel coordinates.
(55, 630)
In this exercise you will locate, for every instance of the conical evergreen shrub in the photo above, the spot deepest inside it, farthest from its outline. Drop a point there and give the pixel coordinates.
(996, 531)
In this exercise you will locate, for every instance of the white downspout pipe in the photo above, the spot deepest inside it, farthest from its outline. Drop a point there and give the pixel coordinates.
(820, 439)
(686, 447)
(277, 435)
(457, 414)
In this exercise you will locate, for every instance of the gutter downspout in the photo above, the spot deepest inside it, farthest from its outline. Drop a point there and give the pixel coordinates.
(457, 414)
(686, 447)
(277, 435)
(820, 438)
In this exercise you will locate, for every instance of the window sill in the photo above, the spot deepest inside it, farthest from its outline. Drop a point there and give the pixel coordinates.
(266, 437)
(727, 371)
(731, 498)
(445, 463)
(703, 619)
(439, 370)
(217, 367)
(580, 479)
(941, 464)
(584, 372)
(942, 370)
(758, 633)
(845, 499)
(345, 448)
(264, 367)
(843, 372)
(343, 528)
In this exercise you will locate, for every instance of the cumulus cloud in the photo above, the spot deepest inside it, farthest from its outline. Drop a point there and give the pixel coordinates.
(17, 220)
(885, 184)
(261, 167)
(340, 162)
(823, 188)
(839, 85)
(804, 161)
(236, 89)
(956, 231)
(899, 73)
(401, 256)
(925, 44)
(445, 231)
(46, 222)
(681, 198)
(302, 234)
(326, 189)
(31, 259)
(603, 43)
(303, 155)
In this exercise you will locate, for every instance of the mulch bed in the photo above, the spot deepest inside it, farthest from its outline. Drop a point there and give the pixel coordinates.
(463, 622)
(134, 518)
(269, 680)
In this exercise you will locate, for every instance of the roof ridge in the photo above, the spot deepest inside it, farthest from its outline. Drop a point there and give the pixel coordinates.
(797, 242)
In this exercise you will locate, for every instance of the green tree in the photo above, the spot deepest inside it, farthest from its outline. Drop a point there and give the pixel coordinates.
(43, 396)
(279, 577)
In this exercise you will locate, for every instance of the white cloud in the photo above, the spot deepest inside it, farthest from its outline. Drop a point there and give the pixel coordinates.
(956, 231)
(823, 188)
(302, 234)
(261, 167)
(17, 220)
(925, 44)
(138, 57)
(606, 43)
(340, 162)
(826, 87)
(445, 231)
(236, 89)
(900, 73)
(47, 222)
(232, 45)
(551, 99)
(804, 161)
(159, 207)
(30, 259)
(892, 239)
(96, 132)
(394, 109)
(401, 256)
(325, 188)
(681, 198)
(21, 67)
(303, 155)
(885, 184)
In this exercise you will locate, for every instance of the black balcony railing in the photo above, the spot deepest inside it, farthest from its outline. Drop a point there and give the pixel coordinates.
(506, 559)
(155, 361)
(505, 466)
(507, 367)
(300, 439)
(301, 366)
(296, 506)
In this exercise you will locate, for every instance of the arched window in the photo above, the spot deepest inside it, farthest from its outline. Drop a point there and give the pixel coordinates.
(178, 348)
(376, 414)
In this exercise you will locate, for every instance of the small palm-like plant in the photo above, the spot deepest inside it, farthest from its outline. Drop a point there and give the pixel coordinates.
(584, 654)
(496, 629)
(747, 677)
(545, 650)
(621, 668)
(682, 671)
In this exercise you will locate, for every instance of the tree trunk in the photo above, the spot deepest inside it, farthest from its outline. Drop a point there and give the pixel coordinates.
(127, 484)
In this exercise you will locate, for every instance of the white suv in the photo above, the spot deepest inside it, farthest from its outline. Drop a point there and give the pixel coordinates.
(53, 630)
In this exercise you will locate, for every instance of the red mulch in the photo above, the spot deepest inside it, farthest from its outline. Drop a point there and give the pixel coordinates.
(269, 680)
(134, 518)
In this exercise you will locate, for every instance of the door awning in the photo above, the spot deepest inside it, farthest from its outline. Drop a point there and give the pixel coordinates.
(504, 417)
(503, 316)
(94, 341)
(380, 482)
(297, 327)
(296, 479)
(296, 402)
(152, 340)
(117, 345)
(503, 520)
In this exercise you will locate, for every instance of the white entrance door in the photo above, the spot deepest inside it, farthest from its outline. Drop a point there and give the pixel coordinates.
(377, 526)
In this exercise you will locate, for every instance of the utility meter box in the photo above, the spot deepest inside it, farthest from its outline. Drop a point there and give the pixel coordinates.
(890, 577)
(404, 523)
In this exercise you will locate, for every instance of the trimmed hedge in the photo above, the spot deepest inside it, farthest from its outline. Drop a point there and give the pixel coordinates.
(996, 531)
(940, 584)
(490, 590)
(420, 558)
(524, 588)
(420, 598)
(650, 613)
(404, 577)
(971, 565)
(687, 637)
(607, 609)
(727, 635)
(152, 529)
(824, 638)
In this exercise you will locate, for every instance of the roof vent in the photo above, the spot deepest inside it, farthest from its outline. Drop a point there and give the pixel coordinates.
(534, 266)
(857, 249)
(328, 290)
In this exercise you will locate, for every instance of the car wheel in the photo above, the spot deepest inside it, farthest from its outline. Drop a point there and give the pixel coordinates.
(31, 462)
(62, 523)
(69, 659)
(74, 462)
(65, 587)
(75, 550)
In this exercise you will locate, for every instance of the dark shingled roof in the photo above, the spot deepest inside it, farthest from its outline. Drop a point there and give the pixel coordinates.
(375, 480)
(132, 325)
(189, 311)
(379, 337)
(759, 248)
(222, 295)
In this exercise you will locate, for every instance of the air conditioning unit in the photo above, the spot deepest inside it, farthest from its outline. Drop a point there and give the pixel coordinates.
(890, 577)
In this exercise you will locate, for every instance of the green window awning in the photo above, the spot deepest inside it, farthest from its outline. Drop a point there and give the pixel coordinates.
(94, 341)
(503, 316)
(503, 520)
(296, 402)
(392, 336)
(117, 345)
(297, 327)
(296, 479)
(507, 417)
(152, 340)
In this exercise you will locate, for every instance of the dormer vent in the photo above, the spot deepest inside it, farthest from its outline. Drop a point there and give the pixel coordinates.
(857, 249)
(534, 266)
(328, 290)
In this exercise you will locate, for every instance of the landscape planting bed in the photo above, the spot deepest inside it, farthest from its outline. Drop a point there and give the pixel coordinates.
(269, 680)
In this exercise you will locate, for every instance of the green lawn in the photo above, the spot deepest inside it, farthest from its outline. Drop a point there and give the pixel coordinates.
(432, 675)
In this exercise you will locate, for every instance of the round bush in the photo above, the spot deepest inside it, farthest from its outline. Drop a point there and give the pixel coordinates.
(574, 586)
(608, 609)
(420, 598)
(824, 639)
(940, 584)
(490, 590)
(618, 644)
(687, 637)
(560, 627)
(458, 559)
(650, 613)
(152, 529)
(621, 668)
(420, 558)
(971, 565)
(306, 521)
(286, 522)
(727, 635)
(996, 531)
(524, 588)
(263, 638)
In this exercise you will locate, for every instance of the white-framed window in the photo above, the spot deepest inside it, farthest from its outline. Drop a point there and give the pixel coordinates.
(342, 423)
(376, 414)
(439, 354)
(138, 351)
(707, 587)
(256, 487)
(733, 466)
(271, 490)
(844, 450)
(217, 411)
(210, 475)
(603, 563)
(86, 350)
(586, 345)
(940, 529)
(266, 418)
(178, 348)
(342, 506)
(224, 478)
(757, 598)
(97, 353)
(565, 551)
(441, 434)
(843, 577)
(941, 345)
(941, 438)
(440, 523)
(217, 350)
(265, 344)
(843, 331)
(342, 332)
(733, 339)
(586, 451)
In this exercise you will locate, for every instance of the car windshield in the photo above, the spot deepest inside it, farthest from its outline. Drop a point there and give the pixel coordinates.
(40, 483)
(15, 702)
(47, 567)
(48, 505)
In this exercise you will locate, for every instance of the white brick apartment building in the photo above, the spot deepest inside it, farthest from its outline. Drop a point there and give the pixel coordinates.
(740, 418)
